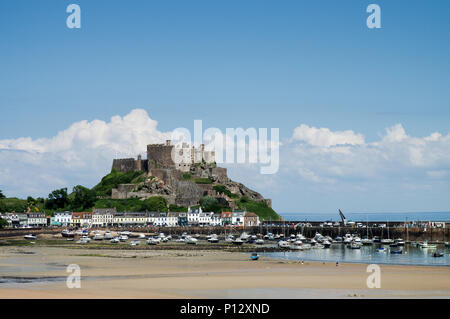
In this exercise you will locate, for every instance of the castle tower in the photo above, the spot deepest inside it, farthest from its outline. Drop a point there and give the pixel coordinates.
(139, 163)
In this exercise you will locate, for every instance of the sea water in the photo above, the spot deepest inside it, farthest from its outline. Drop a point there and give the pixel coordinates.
(371, 217)
(338, 252)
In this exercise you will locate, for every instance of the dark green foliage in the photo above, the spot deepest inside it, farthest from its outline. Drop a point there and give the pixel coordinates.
(221, 189)
(176, 208)
(3, 223)
(58, 199)
(186, 176)
(156, 203)
(211, 204)
(260, 208)
(202, 180)
(13, 205)
(83, 198)
(1, 194)
(115, 178)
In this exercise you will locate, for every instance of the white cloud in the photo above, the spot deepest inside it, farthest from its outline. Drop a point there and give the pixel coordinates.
(328, 156)
(325, 137)
(81, 154)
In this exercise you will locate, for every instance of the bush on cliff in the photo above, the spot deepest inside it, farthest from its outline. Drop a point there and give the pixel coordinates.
(154, 204)
(260, 208)
(13, 205)
(115, 178)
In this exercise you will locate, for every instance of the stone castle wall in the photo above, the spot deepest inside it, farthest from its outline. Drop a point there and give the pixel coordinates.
(160, 156)
(124, 165)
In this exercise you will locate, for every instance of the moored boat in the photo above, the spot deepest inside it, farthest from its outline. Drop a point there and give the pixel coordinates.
(355, 245)
(30, 237)
(427, 245)
(254, 256)
(283, 244)
(259, 241)
(68, 233)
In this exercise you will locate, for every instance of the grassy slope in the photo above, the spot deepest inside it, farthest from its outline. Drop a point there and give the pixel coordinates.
(115, 178)
(259, 208)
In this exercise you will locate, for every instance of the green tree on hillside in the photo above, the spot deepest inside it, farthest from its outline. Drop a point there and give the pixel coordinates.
(58, 199)
(1, 194)
(155, 204)
(83, 198)
(3, 223)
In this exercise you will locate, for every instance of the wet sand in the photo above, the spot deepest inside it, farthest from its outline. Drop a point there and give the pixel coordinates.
(40, 272)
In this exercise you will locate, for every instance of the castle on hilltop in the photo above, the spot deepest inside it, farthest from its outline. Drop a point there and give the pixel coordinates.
(159, 156)
(182, 175)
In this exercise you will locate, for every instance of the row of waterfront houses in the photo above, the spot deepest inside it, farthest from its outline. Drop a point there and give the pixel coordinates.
(111, 218)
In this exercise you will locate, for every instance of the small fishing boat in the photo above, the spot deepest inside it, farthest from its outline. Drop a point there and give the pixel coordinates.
(98, 236)
(326, 243)
(245, 236)
(254, 256)
(376, 239)
(67, 233)
(427, 245)
(355, 245)
(134, 242)
(153, 241)
(213, 239)
(238, 241)
(108, 235)
(114, 240)
(387, 241)
(190, 240)
(338, 239)
(86, 239)
(30, 237)
(366, 241)
(259, 242)
(283, 244)
(123, 237)
(297, 245)
(393, 245)
(400, 242)
(438, 254)
(229, 238)
(382, 250)
(397, 252)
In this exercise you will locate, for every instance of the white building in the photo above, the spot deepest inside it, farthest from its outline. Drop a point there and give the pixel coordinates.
(172, 219)
(103, 217)
(204, 219)
(62, 218)
(37, 219)
(238, 218)
(216, 219)
(161, 219)
(193, 216)
(152, 217)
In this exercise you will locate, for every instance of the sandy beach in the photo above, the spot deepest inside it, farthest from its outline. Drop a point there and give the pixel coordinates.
(40, 272)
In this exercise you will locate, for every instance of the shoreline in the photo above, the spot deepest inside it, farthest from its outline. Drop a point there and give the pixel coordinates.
(205, 274)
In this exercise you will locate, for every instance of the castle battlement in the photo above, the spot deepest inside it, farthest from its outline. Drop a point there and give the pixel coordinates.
(166, 156)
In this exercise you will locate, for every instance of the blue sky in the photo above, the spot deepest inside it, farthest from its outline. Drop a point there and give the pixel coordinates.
(232, 64)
